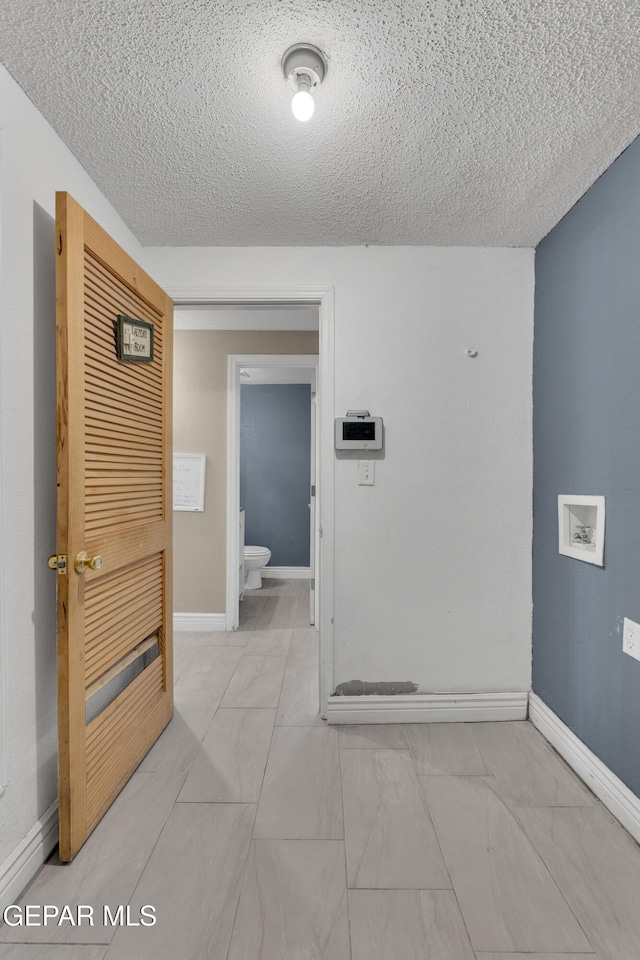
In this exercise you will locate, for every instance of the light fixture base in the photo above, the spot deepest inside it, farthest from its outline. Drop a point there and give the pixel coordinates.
(304, 60)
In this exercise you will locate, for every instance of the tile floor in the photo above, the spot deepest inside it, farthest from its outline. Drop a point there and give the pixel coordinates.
(257, 832)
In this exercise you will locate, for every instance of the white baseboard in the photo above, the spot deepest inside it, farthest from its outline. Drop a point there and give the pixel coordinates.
(286, 573)
(21, 866)
(428, 708)
(199, 622)
(616, 796)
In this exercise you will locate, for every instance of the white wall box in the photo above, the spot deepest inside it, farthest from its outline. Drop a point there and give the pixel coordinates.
(188, 481)
(581, 528)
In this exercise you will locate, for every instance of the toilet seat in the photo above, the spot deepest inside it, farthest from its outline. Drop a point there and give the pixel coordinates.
(256, 551)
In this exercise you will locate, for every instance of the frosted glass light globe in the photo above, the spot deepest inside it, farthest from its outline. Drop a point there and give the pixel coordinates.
(302, 105)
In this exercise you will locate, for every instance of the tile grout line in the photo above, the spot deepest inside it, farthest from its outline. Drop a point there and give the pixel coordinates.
(512, 812)
(344, 847)
(242, 881)
(539, 854)
(444, 859)
(253, 839)
(275, 718)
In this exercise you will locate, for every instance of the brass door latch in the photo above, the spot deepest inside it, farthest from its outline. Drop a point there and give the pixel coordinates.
(82, 562)
(58, 561)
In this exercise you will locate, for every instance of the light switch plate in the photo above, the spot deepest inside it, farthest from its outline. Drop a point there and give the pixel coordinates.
(366, 473)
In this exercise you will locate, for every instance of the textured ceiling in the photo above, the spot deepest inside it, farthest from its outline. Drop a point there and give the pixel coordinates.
(439, 122)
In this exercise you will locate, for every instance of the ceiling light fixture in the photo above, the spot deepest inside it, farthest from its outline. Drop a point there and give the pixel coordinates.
(304, 67)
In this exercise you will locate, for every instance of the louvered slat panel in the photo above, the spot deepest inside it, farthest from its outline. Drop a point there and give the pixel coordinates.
(114, 292)
(112, 619)
(145, 379)
(125, 706)
(98, 309)
(121, 599)
(106, 395)
(99, 647)
(96, 505)
(108, 525)
(121, 610)
(102, 328)
(121, 640)
(102, 514)
(120, 736)
(114, 586)
(124, 415)
(110, 446)
(117, 588)
(112, 383)
(122, 466)
(105, 425)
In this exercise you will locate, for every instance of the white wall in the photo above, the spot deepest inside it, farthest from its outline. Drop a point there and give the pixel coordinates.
(433, 564)
(34, 164)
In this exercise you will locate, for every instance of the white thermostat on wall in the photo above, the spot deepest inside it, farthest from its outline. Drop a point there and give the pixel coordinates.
(358, 431)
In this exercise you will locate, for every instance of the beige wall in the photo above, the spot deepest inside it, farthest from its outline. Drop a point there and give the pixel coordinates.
(200, 426)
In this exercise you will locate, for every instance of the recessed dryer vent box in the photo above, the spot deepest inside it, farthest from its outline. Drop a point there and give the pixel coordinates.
(581, 528)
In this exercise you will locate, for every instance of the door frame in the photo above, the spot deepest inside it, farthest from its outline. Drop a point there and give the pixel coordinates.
(3, 626)
(323, 297)
(236, 363)
(314, 533)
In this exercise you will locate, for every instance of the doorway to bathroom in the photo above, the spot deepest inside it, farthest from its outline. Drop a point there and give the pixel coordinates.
(211, 325)
(271, 470)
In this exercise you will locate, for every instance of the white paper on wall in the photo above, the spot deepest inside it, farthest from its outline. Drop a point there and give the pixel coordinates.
(188, 481)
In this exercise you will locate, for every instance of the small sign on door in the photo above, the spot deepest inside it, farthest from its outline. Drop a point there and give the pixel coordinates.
(134, 339)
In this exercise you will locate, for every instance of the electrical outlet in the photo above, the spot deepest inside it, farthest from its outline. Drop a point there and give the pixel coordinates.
(631, 639)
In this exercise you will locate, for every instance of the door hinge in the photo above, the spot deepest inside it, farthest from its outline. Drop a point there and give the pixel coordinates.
(313, 583)
(313, 489)
(58, 561)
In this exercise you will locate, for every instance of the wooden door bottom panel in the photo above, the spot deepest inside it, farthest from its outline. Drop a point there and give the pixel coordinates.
(120, 736)
(106, 729)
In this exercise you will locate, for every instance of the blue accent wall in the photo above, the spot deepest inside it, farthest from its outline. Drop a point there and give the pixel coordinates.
(275, 450)
(586, 433)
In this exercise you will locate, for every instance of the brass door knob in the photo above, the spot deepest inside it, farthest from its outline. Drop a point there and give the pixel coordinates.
(84, 562)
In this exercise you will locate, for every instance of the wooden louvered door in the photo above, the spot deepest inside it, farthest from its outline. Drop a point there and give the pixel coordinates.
(115, 689)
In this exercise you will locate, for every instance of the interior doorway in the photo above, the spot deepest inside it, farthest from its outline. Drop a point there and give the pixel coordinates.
(192, 306)
(261, 370)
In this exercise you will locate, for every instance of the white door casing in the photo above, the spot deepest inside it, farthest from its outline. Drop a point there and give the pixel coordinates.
(260, 362)
(324, 298)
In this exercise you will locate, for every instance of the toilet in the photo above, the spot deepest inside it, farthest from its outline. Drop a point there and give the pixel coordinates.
(255, 558)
